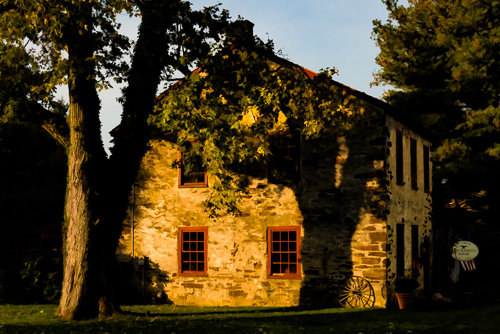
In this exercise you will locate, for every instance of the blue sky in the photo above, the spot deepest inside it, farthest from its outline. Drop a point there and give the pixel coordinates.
(312, 33)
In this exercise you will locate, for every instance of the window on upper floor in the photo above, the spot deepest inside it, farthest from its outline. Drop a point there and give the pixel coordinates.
(284, 162)
(192, 173)
(192, 251)
(413, 164)
(399, 158)
(283, 250)
(427, 163)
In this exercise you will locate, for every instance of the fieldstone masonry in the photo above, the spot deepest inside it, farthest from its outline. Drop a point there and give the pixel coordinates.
(346, 203)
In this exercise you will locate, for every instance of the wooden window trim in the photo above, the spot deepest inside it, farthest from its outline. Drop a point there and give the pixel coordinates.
(270, 230)
(426, 159)
(413, 164)
(399, 159)
(180, 251)
(203, 184)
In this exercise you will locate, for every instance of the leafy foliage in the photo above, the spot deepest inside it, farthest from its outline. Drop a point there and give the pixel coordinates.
(229, 106)
(42, 275)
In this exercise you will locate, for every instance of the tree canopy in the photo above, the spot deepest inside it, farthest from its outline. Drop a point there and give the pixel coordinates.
(443, 57)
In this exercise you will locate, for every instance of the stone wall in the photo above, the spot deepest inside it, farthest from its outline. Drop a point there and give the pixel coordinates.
(237, 246)
(408, 206)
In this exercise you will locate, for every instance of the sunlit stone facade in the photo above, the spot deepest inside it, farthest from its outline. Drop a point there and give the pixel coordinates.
(344, 210)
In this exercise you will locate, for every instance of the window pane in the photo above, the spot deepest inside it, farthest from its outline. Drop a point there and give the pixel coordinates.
(201, 256)
(201, 246)
(293, 257)
(185, 246)
(185, 236)
(284, 246)
(275, 258)
(185, 266)
(284, 257)
(293, 235)
(284, 268)
(276, 236)
(200, 236)
(201, 266)
(192, 266)
(292, 246)
(293, 268)
(276, 246)
(275, 268)
(284, 236)
(185, 257)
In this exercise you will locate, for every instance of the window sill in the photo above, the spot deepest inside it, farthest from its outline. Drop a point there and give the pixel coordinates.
(192, 274)
(289, 277)
(193, 185)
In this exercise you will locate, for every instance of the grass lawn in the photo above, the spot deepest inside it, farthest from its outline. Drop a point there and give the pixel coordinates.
(183, 319)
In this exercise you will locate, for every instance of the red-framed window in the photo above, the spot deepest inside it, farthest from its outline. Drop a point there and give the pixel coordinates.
(283, 250)
(284, 163)
(399, 158)
(196, 177)
(193, 251)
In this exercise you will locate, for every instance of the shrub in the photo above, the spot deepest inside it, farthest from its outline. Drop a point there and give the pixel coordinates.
(42, 276)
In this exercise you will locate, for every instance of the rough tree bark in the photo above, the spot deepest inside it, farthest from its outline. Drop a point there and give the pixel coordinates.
(86, 156)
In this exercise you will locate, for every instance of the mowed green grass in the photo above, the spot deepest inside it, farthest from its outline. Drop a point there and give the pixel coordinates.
(183, 319)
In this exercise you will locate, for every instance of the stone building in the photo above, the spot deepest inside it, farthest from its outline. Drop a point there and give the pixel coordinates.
(360, 206)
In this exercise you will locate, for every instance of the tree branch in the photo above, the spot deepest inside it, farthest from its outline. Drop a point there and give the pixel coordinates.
(55, 125)
(55, 132)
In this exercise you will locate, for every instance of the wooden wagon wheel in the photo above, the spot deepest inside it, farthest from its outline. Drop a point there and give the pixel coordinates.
(357, 293)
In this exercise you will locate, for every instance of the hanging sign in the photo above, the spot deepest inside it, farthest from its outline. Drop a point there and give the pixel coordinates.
(464, 251)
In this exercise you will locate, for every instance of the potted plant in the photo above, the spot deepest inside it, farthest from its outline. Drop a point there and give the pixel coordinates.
(405, 291)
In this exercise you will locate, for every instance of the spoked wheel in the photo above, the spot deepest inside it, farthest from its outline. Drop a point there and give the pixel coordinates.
(357, 293)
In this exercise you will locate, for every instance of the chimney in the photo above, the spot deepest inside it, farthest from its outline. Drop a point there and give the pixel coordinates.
(240, 32)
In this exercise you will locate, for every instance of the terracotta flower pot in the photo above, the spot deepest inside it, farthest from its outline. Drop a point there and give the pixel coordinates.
(405, 299)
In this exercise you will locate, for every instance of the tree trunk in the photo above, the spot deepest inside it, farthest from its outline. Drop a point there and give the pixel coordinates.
(86, 158)
(131, 141)
(98, 192)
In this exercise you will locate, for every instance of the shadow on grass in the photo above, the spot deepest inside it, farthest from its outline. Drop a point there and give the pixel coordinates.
(184, 311)
(271, 320)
